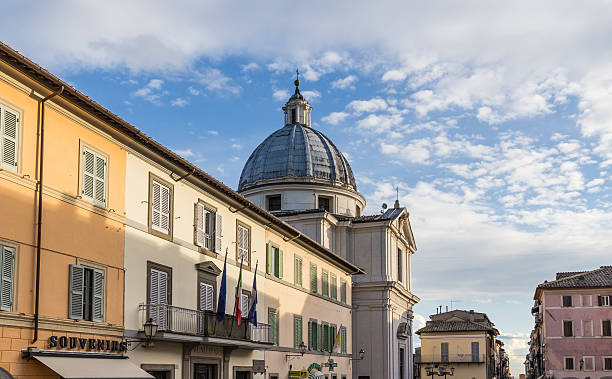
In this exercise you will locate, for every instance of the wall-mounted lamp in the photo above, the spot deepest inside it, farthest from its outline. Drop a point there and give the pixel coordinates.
(361, 355)
(302, 351)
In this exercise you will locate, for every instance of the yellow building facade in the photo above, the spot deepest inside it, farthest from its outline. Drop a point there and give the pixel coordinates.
(460, 342)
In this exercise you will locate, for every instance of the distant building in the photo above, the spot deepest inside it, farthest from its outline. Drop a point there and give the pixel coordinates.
(572, 337)
(462, 340)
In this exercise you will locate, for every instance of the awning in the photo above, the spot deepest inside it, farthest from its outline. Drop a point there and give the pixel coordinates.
(75, 367)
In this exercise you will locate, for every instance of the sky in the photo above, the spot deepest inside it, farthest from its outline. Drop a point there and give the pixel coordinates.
(492, 118)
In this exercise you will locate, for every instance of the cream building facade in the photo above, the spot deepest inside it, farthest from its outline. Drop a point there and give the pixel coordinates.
(300, 176)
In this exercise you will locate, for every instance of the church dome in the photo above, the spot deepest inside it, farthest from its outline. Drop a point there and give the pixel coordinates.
(297, 153)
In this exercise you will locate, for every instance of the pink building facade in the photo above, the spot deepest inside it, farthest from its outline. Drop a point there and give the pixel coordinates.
(573, 330)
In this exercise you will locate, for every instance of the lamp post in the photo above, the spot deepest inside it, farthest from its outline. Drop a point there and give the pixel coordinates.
(441, 371)
(302, 348)
(150, 330)
(361, 355)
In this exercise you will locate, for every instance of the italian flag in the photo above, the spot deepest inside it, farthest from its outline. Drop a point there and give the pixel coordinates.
(237, 307)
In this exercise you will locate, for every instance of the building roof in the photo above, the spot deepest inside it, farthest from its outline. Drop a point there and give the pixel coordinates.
(390, 214)
(453, 326)
(77, 99)
(297, 153)
(601, 277)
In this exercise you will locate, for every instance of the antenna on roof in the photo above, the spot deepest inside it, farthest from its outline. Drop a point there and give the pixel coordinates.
(384, 207)
(397, 204)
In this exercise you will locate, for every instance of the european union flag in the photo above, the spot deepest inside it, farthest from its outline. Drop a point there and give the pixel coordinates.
(222, 293)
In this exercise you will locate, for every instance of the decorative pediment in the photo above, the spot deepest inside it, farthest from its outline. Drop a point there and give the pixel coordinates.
(208, 267)
(406, 230)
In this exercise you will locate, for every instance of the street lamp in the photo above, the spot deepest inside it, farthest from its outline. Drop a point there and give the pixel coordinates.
(150, 330)
(361, 355)
(441, 371)
(302, 351)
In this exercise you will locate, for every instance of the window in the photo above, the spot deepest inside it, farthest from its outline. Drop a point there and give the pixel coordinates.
(333, 338)
(297, 331)
(325, 203)
(568, 329)
(243, 246)
(313, 338)
(402, 362)
(587, 328)
(207, 227)
(207, 297)
(333, 286)
(606, 328)
(357, 211)
(569, 363)
(475, 352)
(161, 199)
(86, 293)
(313, 278)
(444, 351)
(324, 283)
(604, 301)
(274, 261)
(343, 339)
(7, 257)
(159, 294)
(93, 177)
(326, 338)
(274, 202)
(400, 262)
(293, 120)
(244, 303)
(9, 141)
(297, 271)
(343, 291)
(273, 322)
(567, 301)
(607, 363)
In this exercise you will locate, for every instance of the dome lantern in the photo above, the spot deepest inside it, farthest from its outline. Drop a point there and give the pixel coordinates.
(297, 110)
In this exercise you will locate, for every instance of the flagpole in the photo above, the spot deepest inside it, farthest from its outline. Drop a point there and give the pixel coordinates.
(223, 284)
(238, 296)
(246, 328)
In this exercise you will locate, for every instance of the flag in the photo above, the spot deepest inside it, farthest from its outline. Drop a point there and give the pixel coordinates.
(338, 338)
(253, 310)
(222, 292)
(237, 307)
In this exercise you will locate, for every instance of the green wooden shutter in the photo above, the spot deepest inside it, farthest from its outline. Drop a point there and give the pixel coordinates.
(297, 331)
(76, 287)
(333, 286)
(310, 344)
(269, 263)
(343, 291)
(298, 271)
(9, 144)
(324, 283)
(313, 278)
(343, 339)
(8, 274)
(320, 336)
(98, 295)
(280, 264)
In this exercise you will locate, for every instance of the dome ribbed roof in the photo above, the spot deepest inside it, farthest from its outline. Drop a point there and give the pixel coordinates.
(296, 154)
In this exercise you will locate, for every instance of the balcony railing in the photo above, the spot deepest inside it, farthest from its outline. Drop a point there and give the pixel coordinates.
(201, 323)
(453, 358)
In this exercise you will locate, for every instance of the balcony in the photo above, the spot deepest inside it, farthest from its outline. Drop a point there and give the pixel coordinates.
(453, 358)
(174, 322)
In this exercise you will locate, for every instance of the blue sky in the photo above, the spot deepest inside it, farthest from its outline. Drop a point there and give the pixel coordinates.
(493, 119)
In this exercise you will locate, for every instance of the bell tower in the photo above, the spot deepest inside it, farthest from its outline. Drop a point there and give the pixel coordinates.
(297, 110)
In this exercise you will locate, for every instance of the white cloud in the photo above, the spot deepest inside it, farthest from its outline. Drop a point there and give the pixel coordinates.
(344, 83)
(212, 132)
(193, 91)
(185, 153)
(236, 146)
(311, 95)
(215, 81)
(378, 123)
(151, 92)
(179, 102)
(281, 94)
(394, 75)
(251, 66)
(335, 117)
(369, 106)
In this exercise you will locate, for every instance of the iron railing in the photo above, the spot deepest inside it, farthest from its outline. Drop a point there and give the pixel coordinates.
(453, 358)
(170, 318)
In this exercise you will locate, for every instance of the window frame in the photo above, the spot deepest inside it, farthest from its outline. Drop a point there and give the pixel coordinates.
(324, 287)
(159, 267)
(447, 355)
(316, 278)
(605, 300)
(296, 344)
(275, 329)
(210, 279)
(400, 262)
(296, 259)
(333, 286)
(19, 131)
(563, 328)
(610, 327)
(280, 205)
(603, 361)
(344, 284)
(248, 227)
(571, 301)
(157, 233)
(330, 203)
(245, 293)
(213, 236)
(15, 248)
(83, 146)
(565, 360)
(87, 265)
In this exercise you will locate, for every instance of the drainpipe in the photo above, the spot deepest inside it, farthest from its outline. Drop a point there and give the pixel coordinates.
(40, 208)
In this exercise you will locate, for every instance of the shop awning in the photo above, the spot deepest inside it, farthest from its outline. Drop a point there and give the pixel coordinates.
(77, 367)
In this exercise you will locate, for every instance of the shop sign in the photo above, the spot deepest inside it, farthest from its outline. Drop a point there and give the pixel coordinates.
(91, 344)
(315, 365)
(259, 366)
(298, 374)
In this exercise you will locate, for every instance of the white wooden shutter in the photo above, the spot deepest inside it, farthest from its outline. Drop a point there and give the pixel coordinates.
(206, 297)
(159, 297)
(98, 295)
(94, 176)
(8, 274)
(160, 208)
(218, 233)
(244, 305)
(199, 224)
(208, 229)
(76, 287)
(89, 159)
(100, 180)
(243, 244)
(9, 130)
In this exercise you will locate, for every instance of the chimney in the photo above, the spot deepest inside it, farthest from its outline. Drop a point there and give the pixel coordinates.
(447, 308)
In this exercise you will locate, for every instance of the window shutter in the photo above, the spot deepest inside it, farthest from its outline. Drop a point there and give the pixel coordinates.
(313, 278)
(324, 284)
(218, 233)
(269, 263)
(160, 208)
(9, 145)
(206, 297)
(310, 343)
(159, 296)
(343, 339)
(599, 300)
(88, 173)
(198, 218)
(244, 305)
(155, 206)
(343, 291)
(297, 331)
(98, 295)
(297, 271)
(165, 209)
(100, 179)
(280, 264)
(334, 287)
(76, 285)
(8, 274)
(320, 336)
